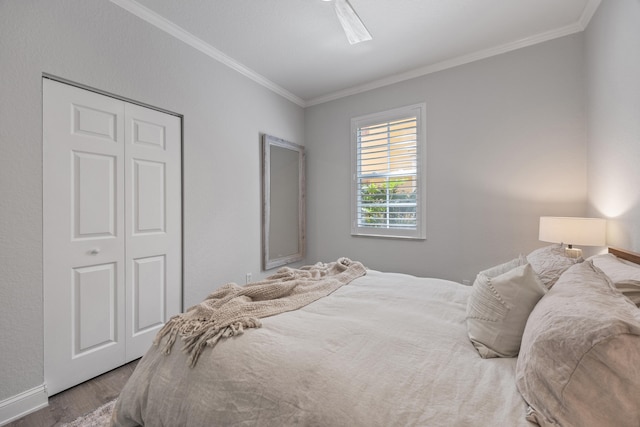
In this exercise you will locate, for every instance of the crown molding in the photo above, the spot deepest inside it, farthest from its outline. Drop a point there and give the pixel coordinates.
(588, 12)
(454, 62)
(178, 32)
(181, 34)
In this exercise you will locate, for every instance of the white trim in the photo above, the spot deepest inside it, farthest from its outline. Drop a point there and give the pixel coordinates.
(450, 63)
(579, 26)
(181, 34)
(22, 404)
(420, 232)
(588, 12)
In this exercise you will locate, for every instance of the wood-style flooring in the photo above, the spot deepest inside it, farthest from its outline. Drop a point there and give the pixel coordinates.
(79, 400)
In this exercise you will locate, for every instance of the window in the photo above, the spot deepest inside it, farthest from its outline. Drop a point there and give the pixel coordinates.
(388, 161)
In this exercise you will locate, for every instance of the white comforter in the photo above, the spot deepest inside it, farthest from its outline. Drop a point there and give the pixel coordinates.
(386, 350)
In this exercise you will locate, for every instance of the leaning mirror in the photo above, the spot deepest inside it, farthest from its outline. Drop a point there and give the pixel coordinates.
(283, 202)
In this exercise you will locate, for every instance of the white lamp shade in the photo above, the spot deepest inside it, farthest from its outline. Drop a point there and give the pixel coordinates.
(573, 231)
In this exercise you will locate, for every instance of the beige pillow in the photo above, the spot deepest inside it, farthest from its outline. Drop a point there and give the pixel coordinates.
(579, 363)
(625, 275)
(503, 268)
(498, 308)
(615, 268)
(630, 289)
(550, 262)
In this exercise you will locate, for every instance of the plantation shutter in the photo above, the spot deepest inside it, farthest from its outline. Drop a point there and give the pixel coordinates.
(387, 182)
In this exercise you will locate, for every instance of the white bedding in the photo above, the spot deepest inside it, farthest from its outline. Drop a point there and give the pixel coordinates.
(387, 349)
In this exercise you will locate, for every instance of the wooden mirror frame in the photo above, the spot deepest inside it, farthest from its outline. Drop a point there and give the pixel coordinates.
(269, 258)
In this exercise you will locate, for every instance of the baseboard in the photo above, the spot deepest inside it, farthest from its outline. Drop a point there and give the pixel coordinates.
(22, 404)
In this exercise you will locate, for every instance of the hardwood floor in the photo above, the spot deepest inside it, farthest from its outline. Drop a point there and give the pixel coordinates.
(79, 400)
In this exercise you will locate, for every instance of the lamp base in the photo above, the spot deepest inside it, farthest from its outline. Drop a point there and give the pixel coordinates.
(573, 252)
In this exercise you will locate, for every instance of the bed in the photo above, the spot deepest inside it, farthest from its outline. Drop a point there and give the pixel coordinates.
(385, 349)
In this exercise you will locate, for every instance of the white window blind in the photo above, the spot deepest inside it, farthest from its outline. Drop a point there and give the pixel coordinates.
(388, 194)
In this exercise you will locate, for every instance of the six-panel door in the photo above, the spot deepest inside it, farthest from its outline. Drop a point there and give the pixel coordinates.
(111, 229)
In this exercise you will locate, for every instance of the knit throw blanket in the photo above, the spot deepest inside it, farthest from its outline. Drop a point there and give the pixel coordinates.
(232, 308)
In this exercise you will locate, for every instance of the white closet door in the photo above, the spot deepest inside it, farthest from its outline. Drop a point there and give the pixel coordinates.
(83, 233)
(111, 231)
(153, 224)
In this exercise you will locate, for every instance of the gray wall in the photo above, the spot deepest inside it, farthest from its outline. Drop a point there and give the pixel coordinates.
(505, 145)
(613, 84)
(95, 43)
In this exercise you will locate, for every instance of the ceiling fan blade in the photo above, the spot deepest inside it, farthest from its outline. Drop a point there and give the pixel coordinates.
(351, 23)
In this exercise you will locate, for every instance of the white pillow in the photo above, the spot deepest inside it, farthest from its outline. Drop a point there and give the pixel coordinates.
(499, 306)
(550, 262)
(503, 268)
(630, 289)
(616, 269)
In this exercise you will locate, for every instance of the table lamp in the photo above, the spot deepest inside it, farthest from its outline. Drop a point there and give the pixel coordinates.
(573, 231)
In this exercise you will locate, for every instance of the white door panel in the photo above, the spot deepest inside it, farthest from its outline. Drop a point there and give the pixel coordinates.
(149, 283)
(94, 180)
(83, 171)
(153, 228)
(105, 196)
(149, 192)
(94, 311)
(93, 121)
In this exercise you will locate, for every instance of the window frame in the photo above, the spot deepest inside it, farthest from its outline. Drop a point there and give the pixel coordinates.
(419, 112)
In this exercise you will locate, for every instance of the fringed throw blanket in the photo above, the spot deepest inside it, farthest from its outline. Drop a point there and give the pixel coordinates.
(231, 308)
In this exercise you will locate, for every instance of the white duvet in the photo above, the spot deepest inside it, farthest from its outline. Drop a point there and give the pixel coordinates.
(385, 350)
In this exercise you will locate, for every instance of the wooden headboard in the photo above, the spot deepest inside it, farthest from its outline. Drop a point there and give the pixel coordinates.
(625, 254)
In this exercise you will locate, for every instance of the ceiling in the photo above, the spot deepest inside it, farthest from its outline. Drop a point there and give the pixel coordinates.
(298, 49)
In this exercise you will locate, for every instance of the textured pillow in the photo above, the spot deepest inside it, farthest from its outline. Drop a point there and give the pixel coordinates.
(498, 308)
(550, 262)
(503, 268)
(615, 268)
(630, 289)
(579, 363)
(625, 275)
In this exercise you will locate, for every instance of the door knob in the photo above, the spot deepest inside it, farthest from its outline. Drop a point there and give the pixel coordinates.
(94, 251)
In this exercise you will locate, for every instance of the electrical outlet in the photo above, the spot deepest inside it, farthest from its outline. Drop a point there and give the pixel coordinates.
(248, 278)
